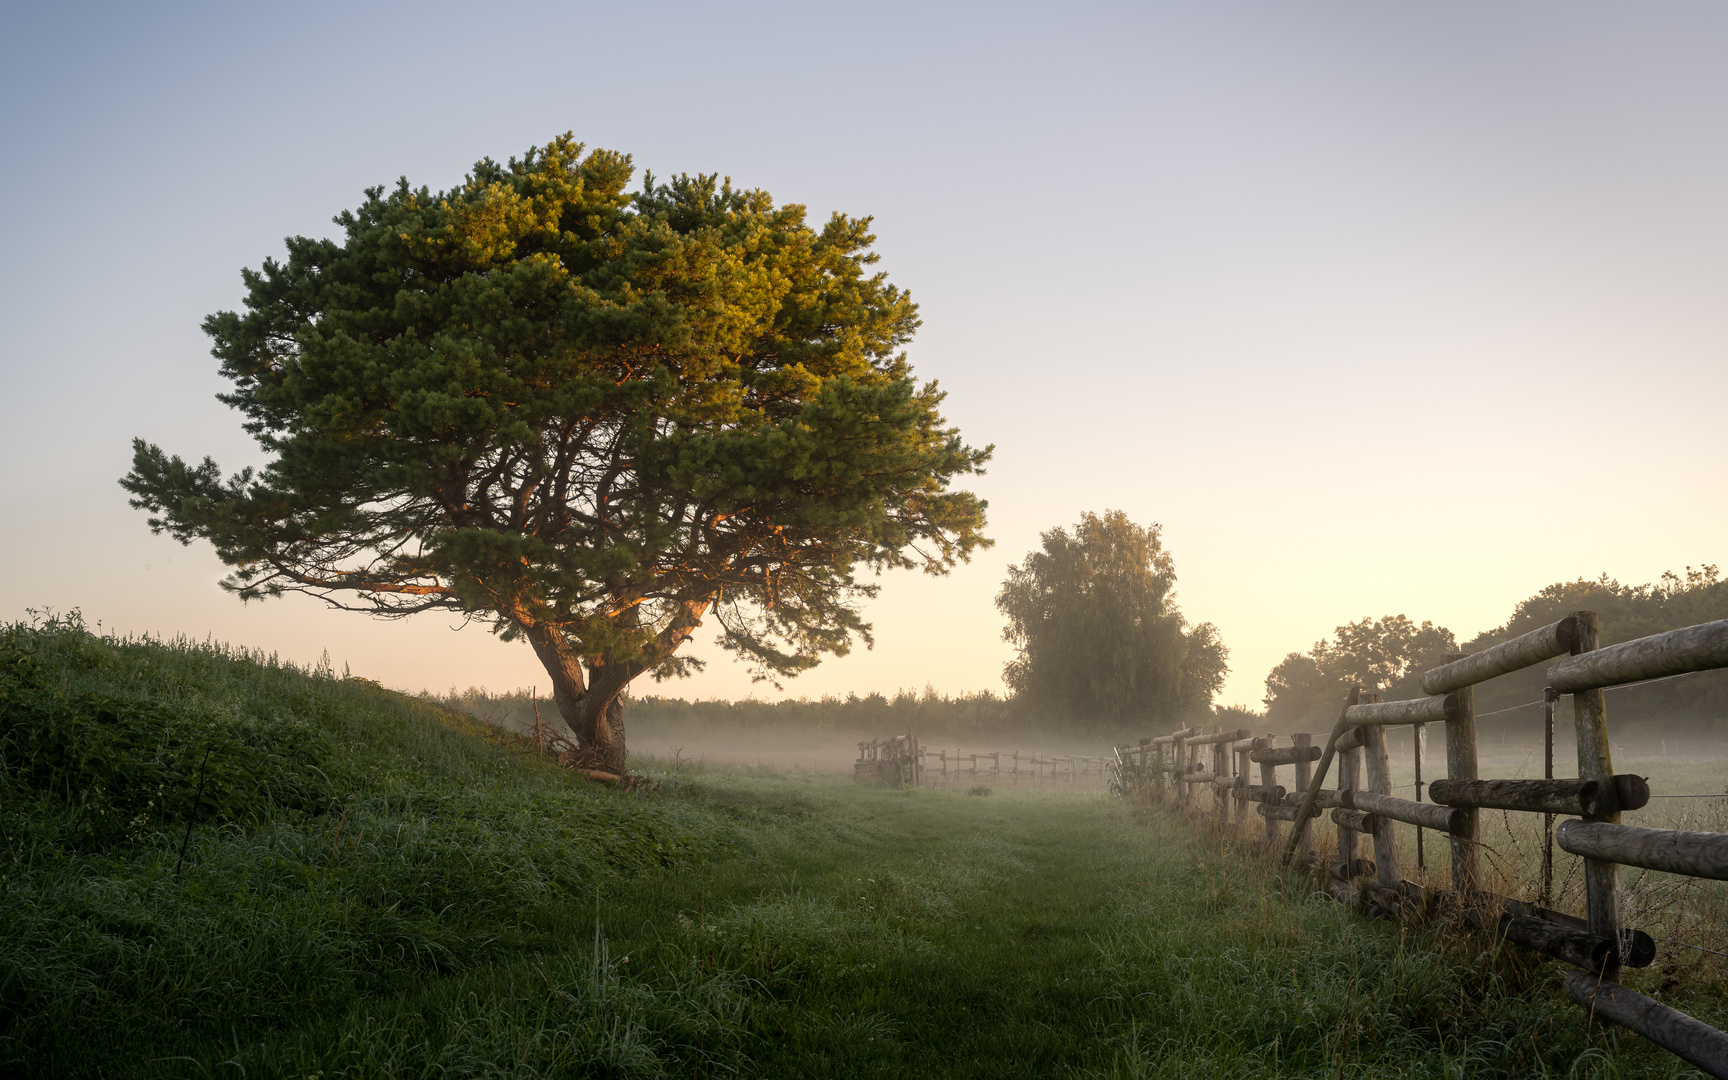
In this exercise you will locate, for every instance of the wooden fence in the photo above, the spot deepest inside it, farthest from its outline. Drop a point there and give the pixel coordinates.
(1169, 769)
(942, 766)
(902, 760)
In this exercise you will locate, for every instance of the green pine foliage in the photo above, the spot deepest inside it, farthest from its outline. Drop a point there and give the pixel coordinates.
(587, 417)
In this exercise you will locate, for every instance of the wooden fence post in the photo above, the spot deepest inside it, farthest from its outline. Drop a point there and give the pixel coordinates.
(1220, 767)
(1386, 868)
(1461, 765)
(1595, 762)
(1179, 768)
(1349, 779)
(1240, 793)
(1268, 780)
(1419, 741)
(1304, 775)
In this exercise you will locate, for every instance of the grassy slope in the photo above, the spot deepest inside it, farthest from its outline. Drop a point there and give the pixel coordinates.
(430, 903)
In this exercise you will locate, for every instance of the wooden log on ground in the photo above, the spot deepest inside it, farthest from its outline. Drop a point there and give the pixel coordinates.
(1674, 1031)
(1285, 755)
(1697, 854)
(1414, 711)
(1362, 868)
(1406, 899)
(1690, 648)
(1636, 948)
(1583, 797)
(1579, 948)
(1387, 900)
(1444, 819)
(1276, 813)
(1555, 639)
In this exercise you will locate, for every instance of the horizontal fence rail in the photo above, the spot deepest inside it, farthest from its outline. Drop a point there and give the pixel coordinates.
(1170, 770)
(901, 760)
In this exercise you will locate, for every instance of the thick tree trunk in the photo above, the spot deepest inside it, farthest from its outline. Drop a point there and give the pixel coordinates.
(600, 729)
(593, 706)
(593, 711)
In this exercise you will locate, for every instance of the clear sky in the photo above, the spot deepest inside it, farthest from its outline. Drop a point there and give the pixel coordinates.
(1378, 308)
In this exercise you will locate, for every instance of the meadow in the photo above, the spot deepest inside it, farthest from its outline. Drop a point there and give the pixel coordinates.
(220, 865)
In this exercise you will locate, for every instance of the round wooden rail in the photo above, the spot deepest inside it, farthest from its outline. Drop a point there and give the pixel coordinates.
(1285, 755)
(1219, 737)
(1669, 1028)
(1690, 648)
(1166, 740)
(1444, 819)
(1697, 854)
(1414, 711)
(1555, 639)
(1584, 797)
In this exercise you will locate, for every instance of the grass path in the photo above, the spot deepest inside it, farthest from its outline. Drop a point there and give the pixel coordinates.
(929, 933)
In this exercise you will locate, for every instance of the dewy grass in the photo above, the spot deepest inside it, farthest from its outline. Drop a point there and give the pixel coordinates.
(457, 909)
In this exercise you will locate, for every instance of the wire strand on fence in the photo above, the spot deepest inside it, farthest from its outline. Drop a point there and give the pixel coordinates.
(1626, 686)
(1687, 945)
(1513, 708)
(1647, 682)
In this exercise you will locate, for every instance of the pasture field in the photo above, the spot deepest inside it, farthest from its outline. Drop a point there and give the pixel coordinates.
(372, 887)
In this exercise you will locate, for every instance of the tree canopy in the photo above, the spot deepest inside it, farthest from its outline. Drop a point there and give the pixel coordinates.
(1100, 638)
(586, 417)
(1387, 655)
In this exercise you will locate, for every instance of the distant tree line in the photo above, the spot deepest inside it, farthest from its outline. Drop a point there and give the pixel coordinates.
(931, 713)
(1305, 690)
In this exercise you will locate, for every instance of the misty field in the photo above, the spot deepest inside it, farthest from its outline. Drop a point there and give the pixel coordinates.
(216, 865)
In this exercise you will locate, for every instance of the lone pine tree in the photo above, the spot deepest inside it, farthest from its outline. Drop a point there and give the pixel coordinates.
(585, 417)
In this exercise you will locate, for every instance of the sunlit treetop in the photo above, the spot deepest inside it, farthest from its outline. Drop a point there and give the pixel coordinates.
(588, 417)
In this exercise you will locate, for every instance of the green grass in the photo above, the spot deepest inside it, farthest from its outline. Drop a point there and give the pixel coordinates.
(377, 888)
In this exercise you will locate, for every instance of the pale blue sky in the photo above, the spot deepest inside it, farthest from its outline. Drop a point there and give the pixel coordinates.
(1378, 308)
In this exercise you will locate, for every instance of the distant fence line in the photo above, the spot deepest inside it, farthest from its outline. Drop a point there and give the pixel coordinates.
(902, 760)
(1168, 770)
